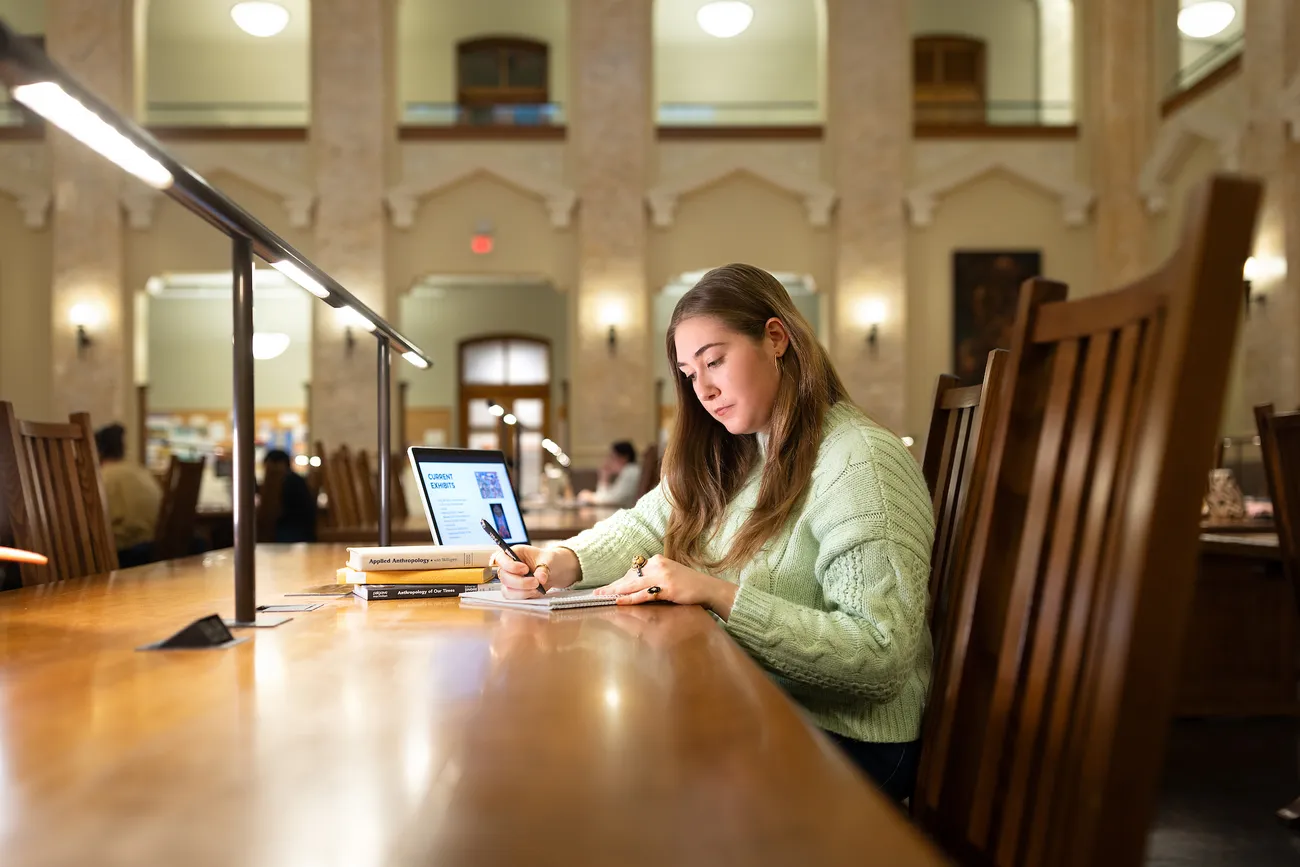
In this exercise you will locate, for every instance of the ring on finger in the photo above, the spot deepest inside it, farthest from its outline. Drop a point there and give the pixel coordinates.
(655, 590)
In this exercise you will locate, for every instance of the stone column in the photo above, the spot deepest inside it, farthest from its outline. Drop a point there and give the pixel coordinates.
(353, 136)
(610, 140)
(868, 137)
(1271, 361)
(1121, 117)
(92, 40)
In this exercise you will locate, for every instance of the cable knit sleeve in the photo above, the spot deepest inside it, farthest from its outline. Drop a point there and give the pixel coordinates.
(605, 551)
(874, 528)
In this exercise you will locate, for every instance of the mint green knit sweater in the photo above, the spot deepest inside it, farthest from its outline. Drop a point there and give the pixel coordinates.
(834, 607)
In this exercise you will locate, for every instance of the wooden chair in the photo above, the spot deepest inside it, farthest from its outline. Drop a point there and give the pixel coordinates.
(54, 496)
(180, 503)
(650, 470)
(1054, 689)
(397, 470)
(338, 476)
(956, 457)
(365, 490)
(1279, 448)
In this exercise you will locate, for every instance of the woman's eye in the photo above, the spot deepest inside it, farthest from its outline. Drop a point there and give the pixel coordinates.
(715, 362)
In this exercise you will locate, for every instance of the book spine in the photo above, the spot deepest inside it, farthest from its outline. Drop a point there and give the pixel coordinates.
(426, 576)
(415, 591)
(414, 562)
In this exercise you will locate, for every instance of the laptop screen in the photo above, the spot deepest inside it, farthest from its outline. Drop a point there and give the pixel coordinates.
(460, 487)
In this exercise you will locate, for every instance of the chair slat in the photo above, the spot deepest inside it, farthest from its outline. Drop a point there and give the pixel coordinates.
(1006, 635)
(1042, 649)
(1095, 519)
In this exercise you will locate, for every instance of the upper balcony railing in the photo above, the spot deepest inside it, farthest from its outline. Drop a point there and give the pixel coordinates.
(753, 114)
(227, 114)
(547, 120)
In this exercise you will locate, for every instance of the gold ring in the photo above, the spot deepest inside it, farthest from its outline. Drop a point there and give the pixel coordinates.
(637, 563)
(653, 591)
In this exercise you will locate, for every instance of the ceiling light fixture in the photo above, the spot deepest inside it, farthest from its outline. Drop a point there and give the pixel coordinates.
(725, 18)
(1203, 20)
(260, 18)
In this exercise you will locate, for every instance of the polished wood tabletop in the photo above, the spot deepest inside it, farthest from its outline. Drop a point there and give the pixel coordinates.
(544, 524)
(405, 732)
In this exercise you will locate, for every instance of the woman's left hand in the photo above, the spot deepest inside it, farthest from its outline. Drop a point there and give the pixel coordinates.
(676, 583)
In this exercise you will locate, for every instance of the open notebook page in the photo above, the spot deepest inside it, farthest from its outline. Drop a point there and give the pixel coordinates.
(555, 600)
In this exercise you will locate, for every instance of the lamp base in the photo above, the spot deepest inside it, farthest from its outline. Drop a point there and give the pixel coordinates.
(206, 633)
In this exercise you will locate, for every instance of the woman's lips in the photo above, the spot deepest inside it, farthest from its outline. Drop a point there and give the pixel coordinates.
(719, 413)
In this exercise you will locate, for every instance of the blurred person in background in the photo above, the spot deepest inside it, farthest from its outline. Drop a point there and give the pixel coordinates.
(134, 498)
(620, 477)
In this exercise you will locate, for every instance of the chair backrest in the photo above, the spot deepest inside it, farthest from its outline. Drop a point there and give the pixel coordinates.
(364, 484)
(649, 470)
(339, 489)
(1064, 645)
(397, 469)
(1279, 446)
(180, 504)
(956, 458)
(270, 501)
(54, 496)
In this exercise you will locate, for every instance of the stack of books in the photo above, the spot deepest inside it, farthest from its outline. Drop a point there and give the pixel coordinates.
(418, 571)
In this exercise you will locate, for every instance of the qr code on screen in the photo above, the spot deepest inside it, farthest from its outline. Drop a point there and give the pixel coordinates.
(489, 486)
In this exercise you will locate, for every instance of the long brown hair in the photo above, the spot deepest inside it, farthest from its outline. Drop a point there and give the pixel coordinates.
(705, 465)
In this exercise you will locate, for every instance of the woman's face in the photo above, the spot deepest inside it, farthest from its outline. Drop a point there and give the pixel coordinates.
(734, 376)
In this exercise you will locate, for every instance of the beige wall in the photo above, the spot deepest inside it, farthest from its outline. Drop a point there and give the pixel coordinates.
(428, 32)
(438, 242)
(25, 16)
(994, 212)
(741, 218)
(25, 359)
(189, 352)
(1009, 29)
(196, 54)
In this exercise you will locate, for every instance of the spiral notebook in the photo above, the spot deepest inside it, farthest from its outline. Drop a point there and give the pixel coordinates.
(555, 600)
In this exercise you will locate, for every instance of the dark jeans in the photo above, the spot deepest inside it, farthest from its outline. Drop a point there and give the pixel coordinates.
(892, 767)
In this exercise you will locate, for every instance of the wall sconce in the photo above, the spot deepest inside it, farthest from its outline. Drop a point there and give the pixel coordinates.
(349, 318)
(612, 315)
(84, 317)
(871, 313)
(1257, 268)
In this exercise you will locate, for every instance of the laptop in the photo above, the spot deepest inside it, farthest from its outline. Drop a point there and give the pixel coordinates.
(460, 487)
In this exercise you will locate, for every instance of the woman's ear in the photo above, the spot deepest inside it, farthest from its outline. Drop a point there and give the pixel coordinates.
(777, 336)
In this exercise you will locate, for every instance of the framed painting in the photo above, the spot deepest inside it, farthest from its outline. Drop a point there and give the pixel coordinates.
(985, 289)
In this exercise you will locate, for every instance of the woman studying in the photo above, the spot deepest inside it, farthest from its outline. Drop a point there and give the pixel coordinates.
(802, 525)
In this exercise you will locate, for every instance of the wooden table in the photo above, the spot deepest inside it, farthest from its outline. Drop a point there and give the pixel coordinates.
(411, 732)
(1240, 655)
(543, 525)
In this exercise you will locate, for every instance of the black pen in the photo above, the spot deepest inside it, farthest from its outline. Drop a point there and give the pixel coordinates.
(501, 543)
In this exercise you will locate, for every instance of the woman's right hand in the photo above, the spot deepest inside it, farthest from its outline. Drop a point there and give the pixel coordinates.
(541, 570)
